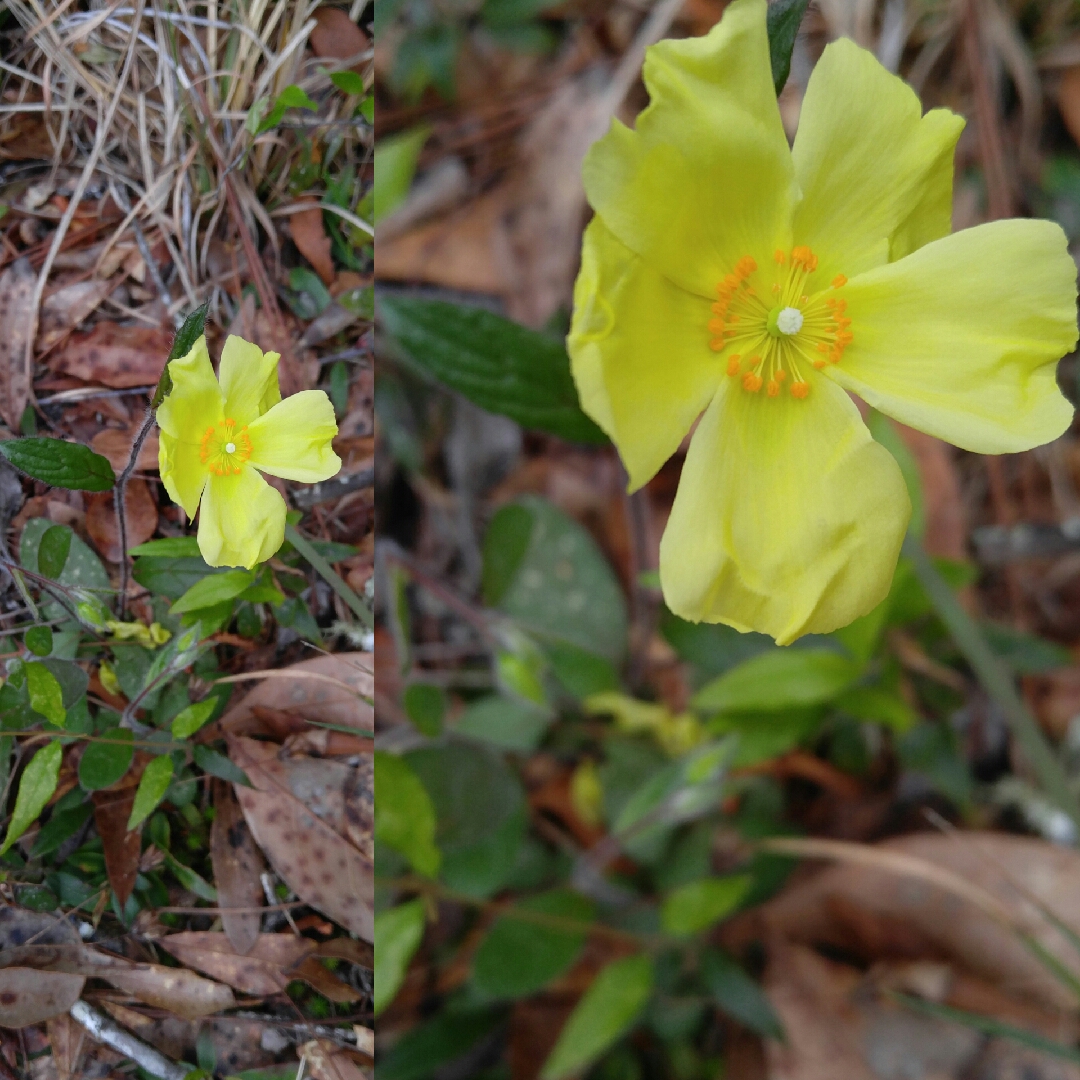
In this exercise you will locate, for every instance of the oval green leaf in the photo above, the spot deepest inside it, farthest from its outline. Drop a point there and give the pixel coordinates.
(779, 679)
(39, 640)
(212, 590)
(153, 784)
(697, 905)
(404, 814)
(105, 761)
(398, 932)
(46, 696)
(36, 786)
(59, 463)
(53, 551)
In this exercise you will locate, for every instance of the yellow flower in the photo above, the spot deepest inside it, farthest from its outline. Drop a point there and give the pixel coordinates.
(728, 277)
(217, 438)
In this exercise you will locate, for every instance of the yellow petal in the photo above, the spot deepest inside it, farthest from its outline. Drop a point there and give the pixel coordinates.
(195, 401)
(293, 439)
(247, 376)
(182, 472)
(788, 519)
(639, 353)
(961, 339)
(706, 176)
(242, 520)
(875, 173)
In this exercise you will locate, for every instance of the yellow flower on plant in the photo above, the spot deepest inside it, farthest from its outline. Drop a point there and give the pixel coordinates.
(218, 436)
(731, 281)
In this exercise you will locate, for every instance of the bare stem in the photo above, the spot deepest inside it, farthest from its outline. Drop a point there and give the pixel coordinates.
(121, 509)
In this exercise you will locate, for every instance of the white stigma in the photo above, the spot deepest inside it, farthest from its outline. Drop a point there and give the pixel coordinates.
(230, 448)
(789, 321)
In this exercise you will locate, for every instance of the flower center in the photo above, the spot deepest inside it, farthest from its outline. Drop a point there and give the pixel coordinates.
(775, 341)
(223, 449)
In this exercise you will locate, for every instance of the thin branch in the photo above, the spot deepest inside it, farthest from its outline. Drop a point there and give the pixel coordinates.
(123, 1042)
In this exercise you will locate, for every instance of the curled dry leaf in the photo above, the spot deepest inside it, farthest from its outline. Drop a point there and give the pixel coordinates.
(325, 1061)
(67, 307)
(118, 356)
(906, 914)
(314, 699)
(323, 868)
(238, 864)
(112, 811)
(115, 444)
(16, 317)
(274, 960)
(142, 518)
(310, 237)
(29, 996)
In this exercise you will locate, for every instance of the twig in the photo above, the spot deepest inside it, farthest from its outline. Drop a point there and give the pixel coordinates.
(120, 493)
(123, 1042)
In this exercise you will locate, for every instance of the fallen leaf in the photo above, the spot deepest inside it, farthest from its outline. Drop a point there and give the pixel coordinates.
(325, 1061)
(112, 809)
(181, 992)
(342, 795)
(313, 699)
(841, 904)
(262, 971)
(29, 996)
(255, 324)
(115, 444)
(317, 863)
(118, 356)
(1069, 101)
(142, 519)
(238, 864)
(66, 1040)
(67, 307)
(336, 35)
(309, 235)
(1054, 698)
(16, 292)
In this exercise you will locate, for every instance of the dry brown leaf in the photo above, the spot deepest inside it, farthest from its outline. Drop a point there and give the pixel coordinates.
(313, 699)
(16, 293)
(261, 971)
(67, 307)
(336, 35)
(115, 444)
(29, 996)
(317, 863)
(118, 356)
(142, 519)
(237, 863)
(310, 237)
(341, 795)
(843, 901)
(112, 811)
(325, 1061)
(295, 373)
(176, 989)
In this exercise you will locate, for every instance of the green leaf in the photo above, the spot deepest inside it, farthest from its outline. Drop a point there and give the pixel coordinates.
(696, 906)
(520, 956)
(779, 679)
(480, 813)
(170, 547)
(398, 932)
(425, 705)
(312, 297)
(217, 764)
(877, 705)
(72, 679)
(154, 782)
(395, 165)
(36, 786)
(557, 583)
(506, 13)
(53, 551)
(189, 333)
(422, 1051)
(783, 19)
(192, 881)
(738, 995)
(610, 1005)
(348, 81)
(497, 364)
(292, 97)
(504, 722)
(212, 590)
(45, 694)
(171, 576)
(191, 718)
(1025, 653)
(59, 463)
(404, 815)
(105, 761)
(39, 640)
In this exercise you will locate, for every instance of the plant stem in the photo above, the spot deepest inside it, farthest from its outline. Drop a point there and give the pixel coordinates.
(121, 509)
(998, 680)
(330, 576)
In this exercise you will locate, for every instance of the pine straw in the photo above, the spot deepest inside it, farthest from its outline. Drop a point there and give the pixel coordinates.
(178, 135)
